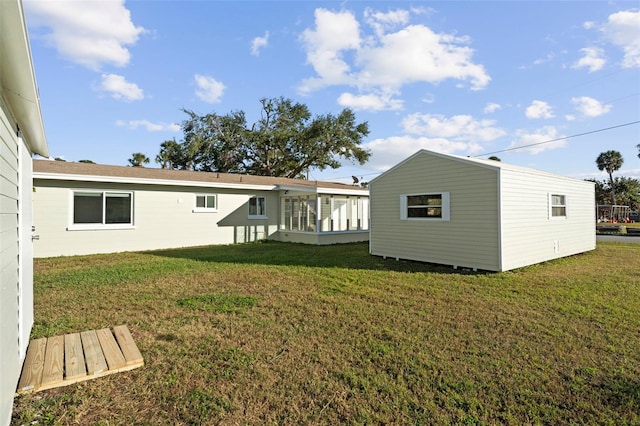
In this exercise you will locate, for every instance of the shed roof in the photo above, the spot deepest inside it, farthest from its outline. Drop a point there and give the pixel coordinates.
(478, 162)
(65, 170)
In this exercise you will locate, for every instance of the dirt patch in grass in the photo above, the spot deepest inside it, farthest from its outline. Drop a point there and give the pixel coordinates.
(293, 334)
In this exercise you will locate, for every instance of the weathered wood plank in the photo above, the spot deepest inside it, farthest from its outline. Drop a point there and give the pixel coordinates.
(73, 357)
(93, 355)
(52, 372)
(85, 356)
(34, 362)
(127, 345)
(112, 353)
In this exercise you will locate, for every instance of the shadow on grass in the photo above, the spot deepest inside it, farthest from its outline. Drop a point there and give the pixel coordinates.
(349, 256)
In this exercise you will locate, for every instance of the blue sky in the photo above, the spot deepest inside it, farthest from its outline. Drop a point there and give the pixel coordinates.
(459, 77)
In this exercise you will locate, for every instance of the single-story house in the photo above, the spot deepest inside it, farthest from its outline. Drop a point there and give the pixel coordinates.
(85, 208)
(21, 135)
(478, 214)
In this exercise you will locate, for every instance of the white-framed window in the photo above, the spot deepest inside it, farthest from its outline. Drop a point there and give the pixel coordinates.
(206, 203)
(425, 206)
(101, 209)
(257, 207)
(557, 206)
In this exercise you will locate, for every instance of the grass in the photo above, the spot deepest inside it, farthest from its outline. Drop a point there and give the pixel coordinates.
(274, 333)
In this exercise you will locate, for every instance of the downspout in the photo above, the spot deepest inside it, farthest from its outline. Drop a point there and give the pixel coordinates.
(499, 215)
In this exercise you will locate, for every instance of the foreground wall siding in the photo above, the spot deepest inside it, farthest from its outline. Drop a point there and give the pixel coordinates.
(474, 214)
(163, 218)
(10, 362)
(529, 235)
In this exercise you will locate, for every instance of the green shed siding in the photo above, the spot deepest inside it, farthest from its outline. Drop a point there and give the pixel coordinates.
(473, 220)
(499, 214)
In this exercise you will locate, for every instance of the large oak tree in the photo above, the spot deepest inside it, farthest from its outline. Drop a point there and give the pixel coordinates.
(286, 141)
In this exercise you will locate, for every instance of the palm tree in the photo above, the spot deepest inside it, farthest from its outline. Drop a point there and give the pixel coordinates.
(610, 161)
(137, 159)
(169, 154)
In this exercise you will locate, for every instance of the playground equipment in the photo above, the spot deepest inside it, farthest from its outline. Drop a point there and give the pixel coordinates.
(613, 213)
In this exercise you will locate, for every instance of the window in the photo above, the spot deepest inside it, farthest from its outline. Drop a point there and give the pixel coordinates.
(206, 203)
(102, 208)
(257, 208)
(557, 205)
(432, 206)
(298, 214)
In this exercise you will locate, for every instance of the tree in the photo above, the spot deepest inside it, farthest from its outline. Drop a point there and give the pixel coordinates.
(494, 158)
(627, 191)
(638, 146)
(610, 161)
(137, 159)
(170, 154)
(86, 161)
(287, 141)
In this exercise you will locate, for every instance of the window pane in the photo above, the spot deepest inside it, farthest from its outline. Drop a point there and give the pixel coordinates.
(118, 208)
(557, 200)
(200, 201)
(424, 212)
(87, 207)
(424, 200)
(211, 201)
(257, 206)
(558, 211)
(312, 215)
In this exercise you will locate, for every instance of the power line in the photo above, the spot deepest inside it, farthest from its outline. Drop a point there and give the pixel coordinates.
(558, 139)
(526, 146)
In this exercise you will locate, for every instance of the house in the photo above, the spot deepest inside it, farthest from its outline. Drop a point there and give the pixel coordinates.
(478, 214)
(89, 208)
(21, 135)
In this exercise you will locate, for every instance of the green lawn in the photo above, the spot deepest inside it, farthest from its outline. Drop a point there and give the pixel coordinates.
(274, 333)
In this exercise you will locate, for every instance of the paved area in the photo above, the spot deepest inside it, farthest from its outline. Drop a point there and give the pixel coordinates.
(618, 239)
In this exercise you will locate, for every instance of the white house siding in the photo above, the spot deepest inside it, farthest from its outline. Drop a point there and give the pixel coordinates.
(163, 218)
(529, 234)
(469, 239)
(10, 361)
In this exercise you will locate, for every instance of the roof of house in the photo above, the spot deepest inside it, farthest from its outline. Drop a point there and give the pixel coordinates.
(17, 79)
(480, 162)
(65, 170)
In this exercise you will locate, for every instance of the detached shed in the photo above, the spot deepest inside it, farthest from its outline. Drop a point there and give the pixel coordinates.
(479, 214)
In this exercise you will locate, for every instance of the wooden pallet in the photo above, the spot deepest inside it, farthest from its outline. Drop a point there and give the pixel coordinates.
(63, 360)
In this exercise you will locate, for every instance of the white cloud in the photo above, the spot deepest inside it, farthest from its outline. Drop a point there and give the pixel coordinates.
(385, 60)
(120, 88)
(548, 58)
(590, 107)
(623, 30)
(593, 59)
(539, 141)
(491, 107)
(334, 33)
(417, 54)
(209, 89)
(458, 127)
(387, 152)
(259, 43)
(369, 102)
(382, 22)
(90, 33)
(149, 126)
(539, 109)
